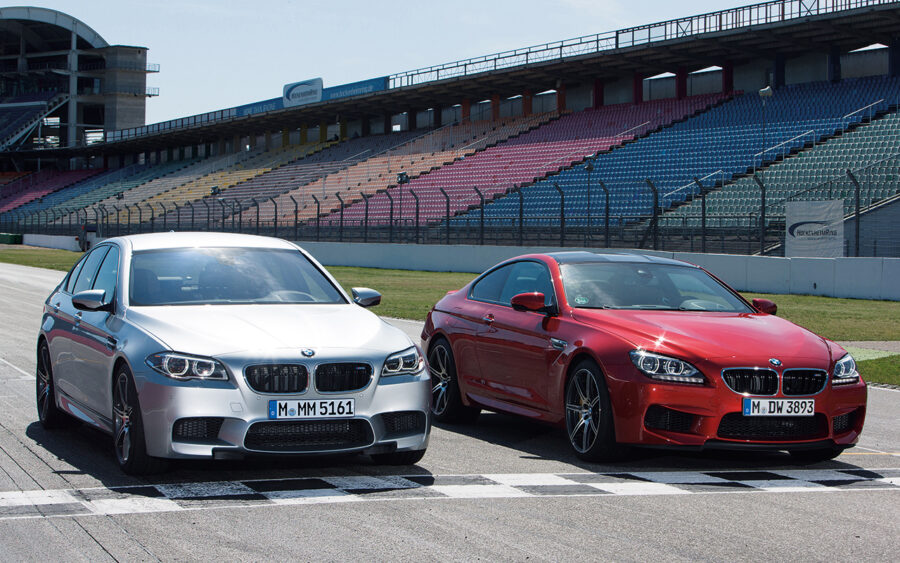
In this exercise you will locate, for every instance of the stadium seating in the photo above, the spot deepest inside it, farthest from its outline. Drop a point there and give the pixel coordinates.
(530, 156)
(713, 146)
(43, 183)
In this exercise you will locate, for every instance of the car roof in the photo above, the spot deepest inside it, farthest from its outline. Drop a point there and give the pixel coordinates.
(582, 257)
(158, 241)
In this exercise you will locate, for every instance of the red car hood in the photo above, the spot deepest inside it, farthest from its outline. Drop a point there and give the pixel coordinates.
(709, 335)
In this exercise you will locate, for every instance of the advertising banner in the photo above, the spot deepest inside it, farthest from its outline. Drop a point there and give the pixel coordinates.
(356, 88)
(300, 93)
(814, 228)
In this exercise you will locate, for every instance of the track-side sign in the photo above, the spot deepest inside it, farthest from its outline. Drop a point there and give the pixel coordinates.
(300, 93)
(814, 228)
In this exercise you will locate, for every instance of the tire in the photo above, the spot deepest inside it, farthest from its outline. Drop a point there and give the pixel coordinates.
(399, 458)
(446, 398)
(806, 457)
(589, 417)
(49, 415)
(128, 428)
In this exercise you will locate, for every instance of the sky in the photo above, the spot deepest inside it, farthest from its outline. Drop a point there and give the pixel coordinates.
(216, 54)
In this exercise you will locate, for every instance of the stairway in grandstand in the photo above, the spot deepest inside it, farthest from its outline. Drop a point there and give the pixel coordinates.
(526, 158)
(21, 114)
(859, 148)
(716, 146)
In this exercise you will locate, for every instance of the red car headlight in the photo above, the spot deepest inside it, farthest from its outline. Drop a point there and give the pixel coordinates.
(665, 368)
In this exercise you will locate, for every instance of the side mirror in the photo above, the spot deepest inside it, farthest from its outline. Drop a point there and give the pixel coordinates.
(92, 300)
(365, 297)
(765, 306)
(532, 302)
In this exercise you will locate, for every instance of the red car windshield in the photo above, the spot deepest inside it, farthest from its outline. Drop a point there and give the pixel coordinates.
(624, 285)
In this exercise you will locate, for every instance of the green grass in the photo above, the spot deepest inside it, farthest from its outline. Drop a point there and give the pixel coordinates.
(882, 370)
(38, 257)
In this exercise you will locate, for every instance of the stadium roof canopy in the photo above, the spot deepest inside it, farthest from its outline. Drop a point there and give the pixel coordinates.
(43, 30)
(734, 36)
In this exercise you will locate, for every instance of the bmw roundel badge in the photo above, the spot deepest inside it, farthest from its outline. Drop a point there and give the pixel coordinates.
(775, 362)
(308, 352)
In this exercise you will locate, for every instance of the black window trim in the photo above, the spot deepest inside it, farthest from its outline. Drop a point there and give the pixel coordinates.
(510, 264)
(107, 246)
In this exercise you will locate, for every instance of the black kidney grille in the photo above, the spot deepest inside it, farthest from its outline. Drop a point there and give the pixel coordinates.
(662, 418)
(736, 426)
(751, 381)
(308, 436)
(404, 422)
(345, 376)
(199, 428)
(277, 378)
(803, 381)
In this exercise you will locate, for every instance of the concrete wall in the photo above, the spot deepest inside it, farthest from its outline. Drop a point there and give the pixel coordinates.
(617, 91)
(864, 63)
(859, 278)
(752, 76)
(811, 67)
(579, 97)
(708, 82)
(659, 88)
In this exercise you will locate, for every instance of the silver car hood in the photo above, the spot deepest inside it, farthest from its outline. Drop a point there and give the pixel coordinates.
(216, 330)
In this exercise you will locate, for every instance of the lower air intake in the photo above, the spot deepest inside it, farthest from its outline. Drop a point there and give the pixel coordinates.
(308, 436)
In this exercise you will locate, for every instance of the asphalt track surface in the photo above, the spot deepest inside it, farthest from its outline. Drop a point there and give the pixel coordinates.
(501, 489)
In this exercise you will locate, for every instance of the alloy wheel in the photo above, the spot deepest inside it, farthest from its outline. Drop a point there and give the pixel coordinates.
(439, 362)
(122, 412)
(583, 410)
(44, 386)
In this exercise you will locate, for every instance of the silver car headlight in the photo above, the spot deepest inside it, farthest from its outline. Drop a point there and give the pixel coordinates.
(664, 368)
(407, 362)
(185, 366)
(845, 371)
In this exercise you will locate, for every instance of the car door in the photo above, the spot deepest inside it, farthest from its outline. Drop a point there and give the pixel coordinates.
(84, 349)
(97, 330)
(515, 348)
(61, 332)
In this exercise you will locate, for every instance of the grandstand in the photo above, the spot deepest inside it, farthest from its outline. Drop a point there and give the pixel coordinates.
(690, 134)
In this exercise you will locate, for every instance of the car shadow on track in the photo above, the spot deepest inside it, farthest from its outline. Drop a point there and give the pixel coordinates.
(540, 441)
(90, 453)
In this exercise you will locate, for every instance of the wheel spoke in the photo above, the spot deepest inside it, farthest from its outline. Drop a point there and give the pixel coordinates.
(440, 404)
(585, 435)
(579, 389)
(575, 409)
(123, 441)
(574, 431)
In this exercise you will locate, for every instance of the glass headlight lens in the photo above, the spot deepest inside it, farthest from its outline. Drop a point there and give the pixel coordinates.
(407, 362)
(845, 371)
(664, 368)
(185, 366)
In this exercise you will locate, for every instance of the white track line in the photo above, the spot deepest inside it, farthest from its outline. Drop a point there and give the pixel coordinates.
(17, 368)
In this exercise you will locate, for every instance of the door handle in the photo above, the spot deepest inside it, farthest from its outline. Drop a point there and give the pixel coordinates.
(489, 318)
(55, 307)
(111, 342)
(78, 317)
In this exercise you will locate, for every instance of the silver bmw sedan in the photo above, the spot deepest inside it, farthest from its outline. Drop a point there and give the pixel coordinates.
(208, 345)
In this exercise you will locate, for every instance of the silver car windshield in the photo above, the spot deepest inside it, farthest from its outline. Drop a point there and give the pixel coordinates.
(201, 276)
(622, 285)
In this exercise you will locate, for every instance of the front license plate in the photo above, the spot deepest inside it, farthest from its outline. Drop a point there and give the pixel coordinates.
(322, 408)
(779, 407)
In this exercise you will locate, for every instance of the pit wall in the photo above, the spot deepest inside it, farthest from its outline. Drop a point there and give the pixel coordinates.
(857, 278)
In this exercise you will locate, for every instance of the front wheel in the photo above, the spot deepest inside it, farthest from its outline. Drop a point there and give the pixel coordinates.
(446, 398)
(589, 419)
(128, 429)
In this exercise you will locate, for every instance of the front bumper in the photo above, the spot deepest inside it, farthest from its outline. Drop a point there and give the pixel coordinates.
(710, 417)
(229, 409)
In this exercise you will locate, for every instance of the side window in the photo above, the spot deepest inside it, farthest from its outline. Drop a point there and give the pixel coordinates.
(89, 271)
(109, 272)
(527, 277)
(73, 275)
(489, 287)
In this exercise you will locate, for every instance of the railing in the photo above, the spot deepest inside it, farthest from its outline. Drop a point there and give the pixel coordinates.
(745, 16)
(784, 143)
(693, 184)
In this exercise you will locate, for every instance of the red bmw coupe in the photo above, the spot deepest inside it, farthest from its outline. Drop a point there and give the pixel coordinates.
(629, 349)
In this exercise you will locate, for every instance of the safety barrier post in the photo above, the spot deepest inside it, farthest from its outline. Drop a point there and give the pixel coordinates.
(390, 217)
(606, 213)
(256, 203)
(856, 189)
(318, 214)
(416, 198)
(164, 216)
(275, 211)
(521, 216)
(762, 215)
(654, 220)
(296, 214)
(562, 214)
(366, 217)
(702, 216)
(341, 226)
(447, 216)
(481, 224)
(208, 215)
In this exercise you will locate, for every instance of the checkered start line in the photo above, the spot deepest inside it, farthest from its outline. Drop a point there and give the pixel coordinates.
(273, 492)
